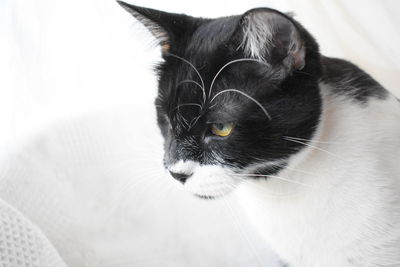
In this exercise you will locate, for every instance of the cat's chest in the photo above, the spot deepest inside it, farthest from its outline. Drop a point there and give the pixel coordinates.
(301, 222)
(298, 230)
(337, 204)
(295, 227)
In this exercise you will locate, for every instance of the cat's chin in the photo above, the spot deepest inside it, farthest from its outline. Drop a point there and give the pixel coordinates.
(207, 197)
(212, 197)
(211, 191)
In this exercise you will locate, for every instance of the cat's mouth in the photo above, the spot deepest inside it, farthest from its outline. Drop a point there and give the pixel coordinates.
(212, 186)
(204, 181)
(207, 197)
(209, 190)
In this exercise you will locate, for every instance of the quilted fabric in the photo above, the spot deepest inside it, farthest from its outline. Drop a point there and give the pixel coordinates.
(79, 181)
(22, 244)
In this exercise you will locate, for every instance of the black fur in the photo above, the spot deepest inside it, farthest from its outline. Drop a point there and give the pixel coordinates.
(290, 95)
(350, 81)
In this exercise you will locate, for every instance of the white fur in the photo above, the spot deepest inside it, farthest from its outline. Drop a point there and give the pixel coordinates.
(206, 180)
(184, 167)
(349, 212)
(259, 38)
(337, 203)
(257, 35)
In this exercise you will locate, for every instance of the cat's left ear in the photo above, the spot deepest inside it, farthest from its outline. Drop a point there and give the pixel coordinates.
(273, 37)
(166, 27)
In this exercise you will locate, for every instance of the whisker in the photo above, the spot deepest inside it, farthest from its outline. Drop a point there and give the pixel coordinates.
(195, 69)
(273, 176)
(268, 192)
(231, 62)
(212, 106)
(122, 193)
(147, 175)
(300, 171)
(188, 104)
(315, 147)
(181, 118)
(196, 83)
(246, 95)
(309, 140)
(144, 182)
(165, 191)
(193, 122)
(283, 165)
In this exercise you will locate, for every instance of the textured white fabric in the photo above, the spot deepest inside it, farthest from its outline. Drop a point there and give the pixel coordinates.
(103, 199)
(22, 244)
(92, 181)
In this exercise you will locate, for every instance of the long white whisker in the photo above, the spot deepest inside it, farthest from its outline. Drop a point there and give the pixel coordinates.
(144, 182)
(185, 121)
(188, 104)
(196, 83)
(194, 68)
(231, 62)
(309, 140)
(269, 192)
(272, 176)
(193, 122)
(300, 171)
(283, 165)
(123, 193)
(315, 147)
(246, 95)
(189, 81)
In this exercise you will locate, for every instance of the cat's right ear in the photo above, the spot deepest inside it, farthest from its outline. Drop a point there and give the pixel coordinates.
(272, 37)
(167, 28)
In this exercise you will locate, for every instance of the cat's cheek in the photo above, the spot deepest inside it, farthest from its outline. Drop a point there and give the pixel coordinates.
(211, 181)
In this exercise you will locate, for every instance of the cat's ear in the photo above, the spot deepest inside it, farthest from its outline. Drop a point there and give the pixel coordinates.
(165, 27)
(273, 37)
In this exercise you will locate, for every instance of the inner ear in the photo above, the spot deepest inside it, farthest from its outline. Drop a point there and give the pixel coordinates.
(273, 37)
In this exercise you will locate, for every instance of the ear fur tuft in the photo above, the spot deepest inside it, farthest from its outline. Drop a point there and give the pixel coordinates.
(271, 36)
(144, 15)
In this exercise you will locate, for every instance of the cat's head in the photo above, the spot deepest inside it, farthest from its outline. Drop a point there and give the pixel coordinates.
(232, 91)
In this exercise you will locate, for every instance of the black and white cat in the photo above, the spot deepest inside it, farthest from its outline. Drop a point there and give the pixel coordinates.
(309, 144)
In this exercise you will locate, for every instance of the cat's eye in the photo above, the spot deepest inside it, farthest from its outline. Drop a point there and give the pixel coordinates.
(221, 129)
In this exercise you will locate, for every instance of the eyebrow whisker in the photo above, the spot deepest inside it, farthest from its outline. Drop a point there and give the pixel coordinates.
(195, 69)
(193, 122)
(246, 95)
(188, 104)
(196, 83)
(231, 62)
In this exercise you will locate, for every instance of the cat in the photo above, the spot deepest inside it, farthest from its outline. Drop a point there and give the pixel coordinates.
(310, 145)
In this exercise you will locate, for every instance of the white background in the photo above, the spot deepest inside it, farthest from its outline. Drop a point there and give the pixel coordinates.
(80, 151)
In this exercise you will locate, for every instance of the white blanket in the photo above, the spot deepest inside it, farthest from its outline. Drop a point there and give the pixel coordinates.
(80, 151)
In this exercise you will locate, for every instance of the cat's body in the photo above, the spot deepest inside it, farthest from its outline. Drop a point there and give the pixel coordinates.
(310, 144)
(344, 211)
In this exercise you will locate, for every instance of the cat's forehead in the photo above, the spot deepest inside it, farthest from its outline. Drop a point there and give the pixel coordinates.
(205, 88)
(212, 35)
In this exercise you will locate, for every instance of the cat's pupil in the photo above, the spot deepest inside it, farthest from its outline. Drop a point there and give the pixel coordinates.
(220, 126)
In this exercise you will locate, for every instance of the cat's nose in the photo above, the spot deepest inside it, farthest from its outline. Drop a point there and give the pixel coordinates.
(181, 177)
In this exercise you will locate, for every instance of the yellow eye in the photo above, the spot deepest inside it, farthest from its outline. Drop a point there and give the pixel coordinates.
(222, 129)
